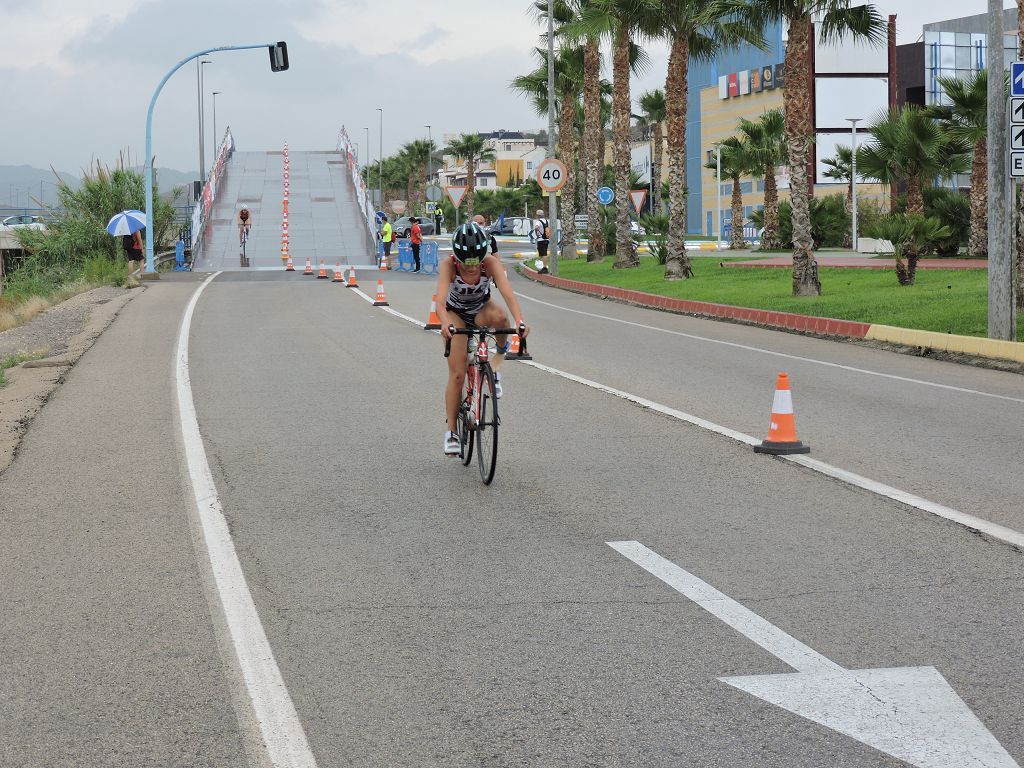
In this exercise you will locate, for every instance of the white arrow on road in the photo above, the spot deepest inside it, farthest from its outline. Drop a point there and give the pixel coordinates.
(911, 713)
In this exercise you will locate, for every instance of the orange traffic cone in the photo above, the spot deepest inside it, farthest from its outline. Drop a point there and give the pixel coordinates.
(284, 251)
(352, 278)
(309, 267)
(381, 300)
(337, 274)
(383, 263)
(289, 267)
(433, 321)
(515, 350)
(782, 439)
(322, 274)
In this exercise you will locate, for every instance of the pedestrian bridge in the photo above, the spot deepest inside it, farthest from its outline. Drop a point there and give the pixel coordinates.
(325, 221)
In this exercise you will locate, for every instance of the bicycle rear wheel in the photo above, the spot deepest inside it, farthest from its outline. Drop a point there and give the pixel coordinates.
(487, 428)
(465, 434)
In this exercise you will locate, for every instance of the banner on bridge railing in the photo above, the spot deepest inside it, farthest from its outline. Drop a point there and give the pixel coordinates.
(201, 213)
(344, 146)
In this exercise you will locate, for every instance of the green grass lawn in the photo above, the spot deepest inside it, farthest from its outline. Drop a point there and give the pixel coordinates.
(946, 300)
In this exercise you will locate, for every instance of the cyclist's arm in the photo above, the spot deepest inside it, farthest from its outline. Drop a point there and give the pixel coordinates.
(495, 269)
(444, 282)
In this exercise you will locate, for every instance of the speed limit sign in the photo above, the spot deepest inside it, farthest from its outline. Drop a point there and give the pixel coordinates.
(551, 174)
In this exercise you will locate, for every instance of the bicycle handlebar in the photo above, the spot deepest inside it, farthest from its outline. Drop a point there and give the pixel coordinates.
(485, 331)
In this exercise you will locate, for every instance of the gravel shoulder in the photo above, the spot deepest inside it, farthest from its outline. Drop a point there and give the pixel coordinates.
(60, 336)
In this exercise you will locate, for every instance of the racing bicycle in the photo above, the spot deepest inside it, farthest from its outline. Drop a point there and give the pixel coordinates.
(477, 420)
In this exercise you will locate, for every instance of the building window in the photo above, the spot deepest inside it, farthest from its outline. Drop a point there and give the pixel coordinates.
(529, 165)
(508, 147)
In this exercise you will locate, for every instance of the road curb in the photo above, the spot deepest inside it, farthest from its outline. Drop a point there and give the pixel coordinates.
(819, 326)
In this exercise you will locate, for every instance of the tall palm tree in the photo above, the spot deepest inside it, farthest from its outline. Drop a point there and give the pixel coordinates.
(699, 30)
(909, 147)
(765, 141)
(967, 118)
(738, 160)
(620, 22)
(470, 149)
(653, 105)
(419, 153)
(837, 19)
(568, 71)
(840, 168)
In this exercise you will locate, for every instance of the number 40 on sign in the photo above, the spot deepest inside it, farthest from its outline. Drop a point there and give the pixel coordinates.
(551, 174)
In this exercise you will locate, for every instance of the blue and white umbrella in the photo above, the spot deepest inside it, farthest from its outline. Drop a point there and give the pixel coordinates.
(126, 223)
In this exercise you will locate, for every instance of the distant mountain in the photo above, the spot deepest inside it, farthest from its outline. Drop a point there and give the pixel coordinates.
(22, 185)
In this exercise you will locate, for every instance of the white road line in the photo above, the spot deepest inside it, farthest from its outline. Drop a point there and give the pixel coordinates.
(283, 737)
(994, 530)
(756, 629)
(773, 353)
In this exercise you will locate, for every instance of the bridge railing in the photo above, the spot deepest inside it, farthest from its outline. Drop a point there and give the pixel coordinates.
(344, 145)
(204, 206)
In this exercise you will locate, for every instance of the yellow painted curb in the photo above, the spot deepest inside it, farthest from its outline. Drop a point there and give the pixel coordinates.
(948, 342)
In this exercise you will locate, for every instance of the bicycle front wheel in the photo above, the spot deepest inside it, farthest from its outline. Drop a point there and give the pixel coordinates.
(487, 427)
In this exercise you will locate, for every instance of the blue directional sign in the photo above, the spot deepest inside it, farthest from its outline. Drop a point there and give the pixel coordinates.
(606, 195)
(1017, 78)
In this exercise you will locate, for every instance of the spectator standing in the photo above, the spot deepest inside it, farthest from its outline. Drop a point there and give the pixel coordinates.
(132, 245)
(415, 240)
(542, 234)
(481, 222)
(387, 236)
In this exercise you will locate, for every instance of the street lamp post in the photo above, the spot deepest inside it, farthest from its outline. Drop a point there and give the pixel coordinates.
(853, 178)
(430, 164)
(552, 200)
(367, 152)
(215, 95)
(380, 162)
(202, 131)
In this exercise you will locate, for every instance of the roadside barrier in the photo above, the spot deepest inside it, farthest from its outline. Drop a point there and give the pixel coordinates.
(352, 278)
(433, 321)
(381, 300)
(406, 263)
(337, 273)
(428, 258)
(782, 439)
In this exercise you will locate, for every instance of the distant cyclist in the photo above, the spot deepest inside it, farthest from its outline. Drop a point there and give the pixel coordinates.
(465, 281)
(244, 222)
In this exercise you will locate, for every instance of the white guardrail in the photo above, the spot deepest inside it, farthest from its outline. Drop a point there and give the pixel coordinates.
(201, 213)
(344, 145)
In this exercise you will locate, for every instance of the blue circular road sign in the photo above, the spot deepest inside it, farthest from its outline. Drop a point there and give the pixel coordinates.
(606, 195)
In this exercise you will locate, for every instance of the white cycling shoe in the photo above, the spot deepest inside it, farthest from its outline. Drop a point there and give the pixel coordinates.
(497, 386)
(452, 445)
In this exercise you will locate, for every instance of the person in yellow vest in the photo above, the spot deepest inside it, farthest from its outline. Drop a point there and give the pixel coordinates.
(387, 236)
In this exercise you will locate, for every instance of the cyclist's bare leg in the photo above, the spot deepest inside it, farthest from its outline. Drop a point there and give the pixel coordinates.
(493, 316)
(456, 374)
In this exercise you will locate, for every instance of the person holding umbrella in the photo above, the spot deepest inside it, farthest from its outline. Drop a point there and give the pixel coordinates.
(128, 225)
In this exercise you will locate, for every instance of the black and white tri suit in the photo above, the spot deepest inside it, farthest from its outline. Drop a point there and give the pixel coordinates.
(465, 299)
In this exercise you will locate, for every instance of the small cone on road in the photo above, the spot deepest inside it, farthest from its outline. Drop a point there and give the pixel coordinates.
(383, 263)
(433, 321)
(284, 251)
(782, 439)
(337, 274)
(352, 278)
(515, 351)
(381, 300)
(322, 273)
(309, 267)
(289, 267)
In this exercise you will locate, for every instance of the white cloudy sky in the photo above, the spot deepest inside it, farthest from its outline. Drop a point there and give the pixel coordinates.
(77, 82)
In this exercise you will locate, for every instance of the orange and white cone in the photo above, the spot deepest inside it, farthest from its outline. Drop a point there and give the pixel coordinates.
(782, 439)
(337, 274)
(351, 278)
(289, 267)
(309, 267)
(515, 351)
(284, 251)
(433, 321)
(322, 274)
(383, 263)
(381, 300)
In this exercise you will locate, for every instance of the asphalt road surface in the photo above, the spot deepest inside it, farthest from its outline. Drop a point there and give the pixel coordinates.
(419, 618)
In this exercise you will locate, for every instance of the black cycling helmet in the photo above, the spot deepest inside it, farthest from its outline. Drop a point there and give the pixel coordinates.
(470, 244)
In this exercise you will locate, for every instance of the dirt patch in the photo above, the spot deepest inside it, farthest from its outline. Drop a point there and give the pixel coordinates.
(68, 330)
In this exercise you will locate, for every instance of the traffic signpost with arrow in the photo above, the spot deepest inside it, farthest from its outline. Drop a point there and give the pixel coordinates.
(911, 713)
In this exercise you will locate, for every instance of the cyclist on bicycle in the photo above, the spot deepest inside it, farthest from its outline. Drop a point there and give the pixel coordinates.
(465, 281)
(244, 222)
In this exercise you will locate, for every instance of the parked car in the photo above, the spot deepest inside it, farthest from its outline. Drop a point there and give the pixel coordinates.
(403, 226)
(24, 220)
(513, 225)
